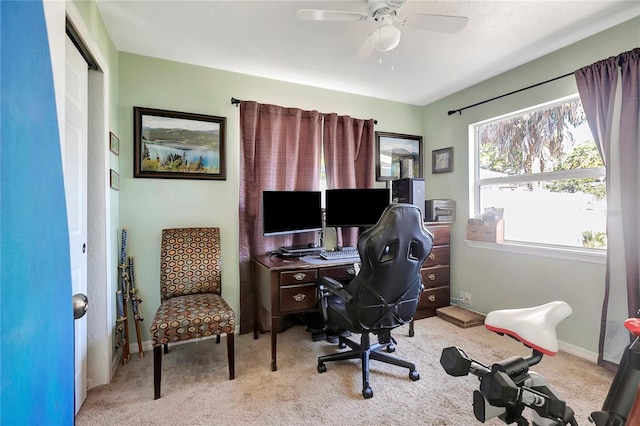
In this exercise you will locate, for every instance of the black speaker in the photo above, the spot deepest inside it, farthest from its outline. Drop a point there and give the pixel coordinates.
(410, 191)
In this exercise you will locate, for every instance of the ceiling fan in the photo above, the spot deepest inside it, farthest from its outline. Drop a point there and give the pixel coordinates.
(386, 36)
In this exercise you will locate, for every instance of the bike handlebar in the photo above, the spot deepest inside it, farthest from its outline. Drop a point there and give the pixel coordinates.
(502, 385)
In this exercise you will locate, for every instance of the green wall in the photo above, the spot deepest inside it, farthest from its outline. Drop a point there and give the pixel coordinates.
(148, 205)
(496, 279)
(499, 279)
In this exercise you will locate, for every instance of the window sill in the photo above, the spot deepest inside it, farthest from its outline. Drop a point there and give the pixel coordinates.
(556, 252)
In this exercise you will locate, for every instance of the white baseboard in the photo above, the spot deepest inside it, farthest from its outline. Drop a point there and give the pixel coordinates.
(578, 351)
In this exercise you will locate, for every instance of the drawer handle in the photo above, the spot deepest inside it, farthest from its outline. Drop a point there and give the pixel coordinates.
(299, 276)
(431, 277)
(351, 271)
(432, 256)
(299, 297)
(432, 298)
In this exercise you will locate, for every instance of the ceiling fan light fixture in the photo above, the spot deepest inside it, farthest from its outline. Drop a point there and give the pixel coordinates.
(386, 38)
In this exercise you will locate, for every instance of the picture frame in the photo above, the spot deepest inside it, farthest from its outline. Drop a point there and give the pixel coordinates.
(442, 160)
(114, 180)
(114, 143)
(178, 145)
(392, 149)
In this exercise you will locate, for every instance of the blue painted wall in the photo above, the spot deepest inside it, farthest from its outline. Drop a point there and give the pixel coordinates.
(36, 321)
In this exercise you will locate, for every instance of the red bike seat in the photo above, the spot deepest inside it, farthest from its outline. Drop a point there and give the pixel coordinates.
(535, 327)
(633, 325)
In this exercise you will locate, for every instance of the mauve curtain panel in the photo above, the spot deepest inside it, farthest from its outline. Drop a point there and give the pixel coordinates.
(279, 151)
(348, 147)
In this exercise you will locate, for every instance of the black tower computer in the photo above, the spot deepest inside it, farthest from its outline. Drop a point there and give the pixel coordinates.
(410, 191)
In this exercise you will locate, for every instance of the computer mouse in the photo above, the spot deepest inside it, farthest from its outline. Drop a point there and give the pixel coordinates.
(312, 245)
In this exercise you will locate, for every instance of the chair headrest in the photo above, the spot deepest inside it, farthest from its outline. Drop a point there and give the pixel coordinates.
(399, 229)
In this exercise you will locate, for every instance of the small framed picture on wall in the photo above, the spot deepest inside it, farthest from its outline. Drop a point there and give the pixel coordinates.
(114, 179)
(442, 160)
(114, 143)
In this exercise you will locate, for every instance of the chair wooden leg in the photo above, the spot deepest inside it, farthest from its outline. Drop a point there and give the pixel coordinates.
(231, 355)
(157, 370)
(217, 338)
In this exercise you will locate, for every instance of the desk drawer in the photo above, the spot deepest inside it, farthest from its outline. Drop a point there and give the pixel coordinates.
(435, 277)
(434, 298)
(295, 298)
(440, 234)
(345, 272)
(298, 277)
(438, 256)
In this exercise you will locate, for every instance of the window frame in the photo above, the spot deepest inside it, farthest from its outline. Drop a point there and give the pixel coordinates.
(597, 255)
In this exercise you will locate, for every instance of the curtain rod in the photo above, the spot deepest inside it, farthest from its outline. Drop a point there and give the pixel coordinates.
(507, 94)
(235, 101)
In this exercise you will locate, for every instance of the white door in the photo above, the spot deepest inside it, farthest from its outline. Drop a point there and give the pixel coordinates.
(74, 162)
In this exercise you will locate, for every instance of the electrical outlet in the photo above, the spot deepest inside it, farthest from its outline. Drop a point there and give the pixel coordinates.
(465, 297)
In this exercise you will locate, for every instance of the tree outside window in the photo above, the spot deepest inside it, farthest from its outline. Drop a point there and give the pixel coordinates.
(542, 166)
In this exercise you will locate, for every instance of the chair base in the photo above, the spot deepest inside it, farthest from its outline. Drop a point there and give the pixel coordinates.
(365, 352)
(157, 362)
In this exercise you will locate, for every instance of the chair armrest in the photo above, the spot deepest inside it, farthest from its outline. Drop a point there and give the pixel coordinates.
(328, 286)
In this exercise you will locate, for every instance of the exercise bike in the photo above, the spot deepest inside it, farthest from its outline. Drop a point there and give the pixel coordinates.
(508, 387)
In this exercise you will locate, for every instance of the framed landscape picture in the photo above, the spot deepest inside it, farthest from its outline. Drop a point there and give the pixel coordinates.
(392, 149)
(178, 145)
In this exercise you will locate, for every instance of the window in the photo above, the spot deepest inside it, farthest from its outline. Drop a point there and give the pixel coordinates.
(543, 167)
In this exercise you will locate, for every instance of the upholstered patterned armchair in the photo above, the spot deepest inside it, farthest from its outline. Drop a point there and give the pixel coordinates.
(190, 292)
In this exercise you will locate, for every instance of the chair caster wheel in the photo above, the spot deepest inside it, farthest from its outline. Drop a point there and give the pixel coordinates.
(391, 348)
(342, 345)
(414, 375)
(322, 368)
(367, 393)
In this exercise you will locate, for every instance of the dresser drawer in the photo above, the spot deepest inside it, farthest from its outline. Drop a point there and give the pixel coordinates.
(344, 272)
(438, 256)
(435, 277)
(298, 277)
(295, 298)
(434, 298)
(440, 234)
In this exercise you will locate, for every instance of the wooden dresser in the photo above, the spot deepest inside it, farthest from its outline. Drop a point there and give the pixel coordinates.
(435, 272)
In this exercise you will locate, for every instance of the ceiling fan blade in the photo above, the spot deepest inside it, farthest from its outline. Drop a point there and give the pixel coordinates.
(330, 15)
(439, 23)
(366, 49)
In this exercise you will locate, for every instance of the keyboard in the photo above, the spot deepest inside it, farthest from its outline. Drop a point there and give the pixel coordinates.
(340, 254)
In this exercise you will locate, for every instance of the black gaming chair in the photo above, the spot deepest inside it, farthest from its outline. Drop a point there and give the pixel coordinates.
(384, 294)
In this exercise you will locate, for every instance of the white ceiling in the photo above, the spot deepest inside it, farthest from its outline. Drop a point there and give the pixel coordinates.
(265, 38)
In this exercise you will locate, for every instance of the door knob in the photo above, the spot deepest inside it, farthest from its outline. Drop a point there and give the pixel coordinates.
(80, 305)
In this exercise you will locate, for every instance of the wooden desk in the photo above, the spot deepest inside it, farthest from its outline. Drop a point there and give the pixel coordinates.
(287, 286)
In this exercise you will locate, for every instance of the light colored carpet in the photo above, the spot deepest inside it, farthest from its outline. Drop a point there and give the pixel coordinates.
(196, 389)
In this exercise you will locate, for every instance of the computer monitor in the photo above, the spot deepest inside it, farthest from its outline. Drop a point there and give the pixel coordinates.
(289, 212)
(355, 207)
